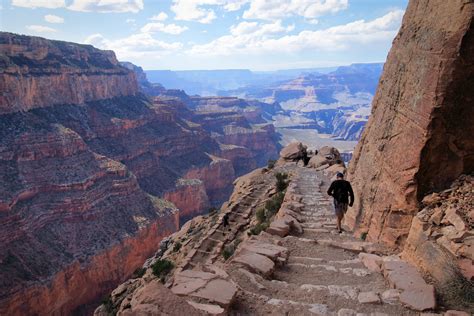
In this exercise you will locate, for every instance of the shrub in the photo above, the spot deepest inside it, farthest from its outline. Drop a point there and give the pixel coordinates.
(273, 205)
(257, 229)
(363, 236)
(260, 214)
(282, 182)
(177, 246)
(230, 249)
(271, 163)
(227, 253)
(138, 273)
(161, 268)
(108, 305)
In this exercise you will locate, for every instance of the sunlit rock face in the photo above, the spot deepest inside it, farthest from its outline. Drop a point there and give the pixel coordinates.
(419, 136)
(79, 73)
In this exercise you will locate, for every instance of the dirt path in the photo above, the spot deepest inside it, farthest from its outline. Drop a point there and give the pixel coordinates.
(318, 279)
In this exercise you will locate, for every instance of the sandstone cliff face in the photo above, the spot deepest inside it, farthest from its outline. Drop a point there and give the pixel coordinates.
(419, 137)
(30, 66)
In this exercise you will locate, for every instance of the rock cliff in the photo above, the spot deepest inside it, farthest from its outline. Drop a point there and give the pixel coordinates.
(79, 73)
(419, 136)
(85, 162)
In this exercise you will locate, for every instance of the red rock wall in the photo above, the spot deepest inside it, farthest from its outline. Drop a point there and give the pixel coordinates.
(190, 198)
(83, 284)
(217, 178)
(79, 73)
(419, 136)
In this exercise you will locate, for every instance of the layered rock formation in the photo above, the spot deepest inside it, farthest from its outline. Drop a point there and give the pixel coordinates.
(85, 160)
(79, 73)
(419, 137)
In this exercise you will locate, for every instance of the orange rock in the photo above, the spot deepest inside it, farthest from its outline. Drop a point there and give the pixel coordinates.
(404, 152)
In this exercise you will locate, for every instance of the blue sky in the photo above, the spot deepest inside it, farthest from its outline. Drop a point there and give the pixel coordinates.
(217, 34)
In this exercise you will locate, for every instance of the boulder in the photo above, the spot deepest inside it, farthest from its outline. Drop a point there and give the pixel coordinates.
(255, 263)
(371, 261)
(419, 298)
(279, 227)
(156, 299)
(330, 153)
(271, 251)
(317, 161)
(204, 285)
(416, 293)
(391, 296)
(368, 298)
(293, 151)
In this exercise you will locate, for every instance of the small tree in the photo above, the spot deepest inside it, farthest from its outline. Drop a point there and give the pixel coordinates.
(282, 182)
(260, 214)
(162, 268)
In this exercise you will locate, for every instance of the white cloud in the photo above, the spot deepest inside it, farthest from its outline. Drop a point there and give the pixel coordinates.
(130, 21)
(313, 21)
(199, 11)
(141, 45)
(32, 4)
(53, 19)
(160, 27)
(41, 29)
(162, 16)
(278, 9)
(256, 38)
(235, 5)
(106, 6)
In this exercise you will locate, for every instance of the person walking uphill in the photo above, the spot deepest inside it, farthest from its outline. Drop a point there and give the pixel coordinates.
(341, 191)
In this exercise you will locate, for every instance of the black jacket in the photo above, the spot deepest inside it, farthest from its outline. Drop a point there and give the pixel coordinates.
(341, 190)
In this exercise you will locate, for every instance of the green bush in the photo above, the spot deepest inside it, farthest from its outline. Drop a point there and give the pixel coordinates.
(108, 305)
(227, 253)
(230, 249)
(274, 204)
(257, 229)
(260, 214)
(177, 246)
(271, 164)
(282, 182)
(363, 236)
(138, 273)
(162, 267)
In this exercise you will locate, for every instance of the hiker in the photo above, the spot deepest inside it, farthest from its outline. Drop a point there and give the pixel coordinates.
(341, 191)
(225, 221)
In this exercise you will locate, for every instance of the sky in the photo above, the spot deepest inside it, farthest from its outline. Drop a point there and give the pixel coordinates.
(217, 34)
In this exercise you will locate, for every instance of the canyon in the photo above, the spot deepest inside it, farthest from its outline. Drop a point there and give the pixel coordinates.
(117, 187)
(95, 162)
(408, 244)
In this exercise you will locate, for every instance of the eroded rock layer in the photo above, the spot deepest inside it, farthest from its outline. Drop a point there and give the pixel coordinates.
(419, 136)
(85, 160)
(30, 66)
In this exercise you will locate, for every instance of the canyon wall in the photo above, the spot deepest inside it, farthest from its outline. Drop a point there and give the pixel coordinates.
(419, 136)
(85, 162)
(78, 73)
